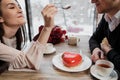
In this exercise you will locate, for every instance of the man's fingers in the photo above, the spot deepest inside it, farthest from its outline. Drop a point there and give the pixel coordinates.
(102, 56)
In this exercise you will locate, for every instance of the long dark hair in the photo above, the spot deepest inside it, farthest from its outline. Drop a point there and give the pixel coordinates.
(20, 38)
(20, 34)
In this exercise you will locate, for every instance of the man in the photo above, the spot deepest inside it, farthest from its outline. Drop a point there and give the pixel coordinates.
(108, 27)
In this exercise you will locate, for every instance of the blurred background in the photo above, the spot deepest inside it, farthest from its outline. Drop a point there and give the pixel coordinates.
(79, 16)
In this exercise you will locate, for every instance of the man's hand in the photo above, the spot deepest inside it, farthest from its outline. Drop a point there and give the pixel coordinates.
(105, 46)
(97, 54)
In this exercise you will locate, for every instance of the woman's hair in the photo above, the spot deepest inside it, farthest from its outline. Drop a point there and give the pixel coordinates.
(20, 34)
(20, 37)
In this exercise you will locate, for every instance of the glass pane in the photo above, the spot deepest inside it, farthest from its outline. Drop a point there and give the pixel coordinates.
(37, 19)
(23, 6)
(77, 19)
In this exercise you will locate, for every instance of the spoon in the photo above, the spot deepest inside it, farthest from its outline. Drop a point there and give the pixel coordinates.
(66, 7)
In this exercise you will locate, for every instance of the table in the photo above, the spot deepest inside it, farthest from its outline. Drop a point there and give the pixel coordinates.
(50, 72)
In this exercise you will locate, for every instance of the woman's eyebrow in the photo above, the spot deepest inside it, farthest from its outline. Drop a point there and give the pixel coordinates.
(13, 4)
(10, 4)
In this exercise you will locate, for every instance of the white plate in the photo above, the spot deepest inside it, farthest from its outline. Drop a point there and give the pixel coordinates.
(57, 62)
(113, 75)
(53, 50)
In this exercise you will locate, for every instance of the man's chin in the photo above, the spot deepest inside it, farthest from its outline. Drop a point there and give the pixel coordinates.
(100, 12)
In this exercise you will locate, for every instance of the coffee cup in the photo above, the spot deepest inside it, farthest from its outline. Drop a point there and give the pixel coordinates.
(48, 48)
(104, 67)
(73, 40)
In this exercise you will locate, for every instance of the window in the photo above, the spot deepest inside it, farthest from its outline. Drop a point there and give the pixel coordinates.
(23, 6)
(78, 19)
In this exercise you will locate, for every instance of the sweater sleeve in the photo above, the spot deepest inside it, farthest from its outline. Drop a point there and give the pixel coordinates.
(114, 57)
(20, 59)
(97, 36)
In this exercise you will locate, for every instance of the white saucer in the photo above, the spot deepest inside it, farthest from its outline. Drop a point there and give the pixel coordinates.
(53, 50)
(57, 62)
(113, 75)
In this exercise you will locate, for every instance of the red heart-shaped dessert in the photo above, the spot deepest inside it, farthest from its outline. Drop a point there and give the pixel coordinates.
(71, 59)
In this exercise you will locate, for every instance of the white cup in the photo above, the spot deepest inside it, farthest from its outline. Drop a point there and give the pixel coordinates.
(104, 67)
(49, 47)
(73, 40)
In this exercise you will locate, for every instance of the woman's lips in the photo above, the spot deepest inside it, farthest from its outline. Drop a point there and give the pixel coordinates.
(19, 16)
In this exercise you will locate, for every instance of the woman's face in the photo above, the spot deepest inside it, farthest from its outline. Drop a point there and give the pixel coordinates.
(11, 13)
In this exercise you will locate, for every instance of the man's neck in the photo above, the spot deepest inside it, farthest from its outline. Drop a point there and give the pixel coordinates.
(113, 12)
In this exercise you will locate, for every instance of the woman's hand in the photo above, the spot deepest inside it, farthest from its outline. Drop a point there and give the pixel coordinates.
(97, 54)
(48, 14)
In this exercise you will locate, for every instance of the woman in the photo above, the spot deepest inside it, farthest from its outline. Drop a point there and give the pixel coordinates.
(11, 37)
